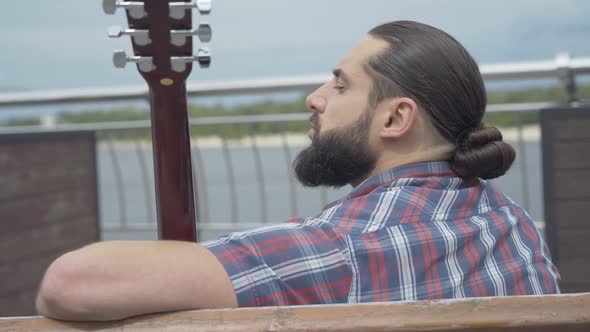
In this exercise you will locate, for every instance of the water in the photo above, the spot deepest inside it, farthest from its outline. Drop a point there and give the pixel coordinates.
(284, 198)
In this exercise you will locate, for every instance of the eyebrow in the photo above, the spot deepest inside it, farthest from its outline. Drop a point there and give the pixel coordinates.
(340, 74)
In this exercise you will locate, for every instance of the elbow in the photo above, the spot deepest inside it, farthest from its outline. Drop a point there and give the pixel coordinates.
(60, 294)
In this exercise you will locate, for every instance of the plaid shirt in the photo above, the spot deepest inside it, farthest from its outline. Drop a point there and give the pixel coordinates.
(414, 232)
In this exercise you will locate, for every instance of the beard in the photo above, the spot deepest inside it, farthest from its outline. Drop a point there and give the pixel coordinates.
(337, 157)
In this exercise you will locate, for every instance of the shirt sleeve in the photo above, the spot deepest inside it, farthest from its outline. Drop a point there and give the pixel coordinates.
(286, 264)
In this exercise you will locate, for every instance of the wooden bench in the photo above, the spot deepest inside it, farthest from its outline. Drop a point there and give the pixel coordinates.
(563, 313)
(566, 177)
(48, 206)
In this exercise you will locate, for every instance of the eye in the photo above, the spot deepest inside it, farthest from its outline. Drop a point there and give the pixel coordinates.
(340, 87)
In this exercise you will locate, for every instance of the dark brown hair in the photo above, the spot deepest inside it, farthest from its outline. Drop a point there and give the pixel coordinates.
(431, 67)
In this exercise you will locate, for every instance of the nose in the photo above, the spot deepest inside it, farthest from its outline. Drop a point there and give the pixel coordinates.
(315, 102)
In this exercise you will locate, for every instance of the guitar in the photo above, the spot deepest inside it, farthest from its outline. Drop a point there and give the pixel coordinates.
(162, 39)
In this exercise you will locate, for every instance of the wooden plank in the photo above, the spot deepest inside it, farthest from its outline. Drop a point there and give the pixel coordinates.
(26, 274)
(572, 214)
(15, 154)
(48, 205)
(571, 154)
(571, 288)
(566, 170)
(48, 238)
(574, 253)
(18, 304)
(25, 213)
(45, 178)
(32, 164)
(571, 184)
(572, 128)
(565, 313)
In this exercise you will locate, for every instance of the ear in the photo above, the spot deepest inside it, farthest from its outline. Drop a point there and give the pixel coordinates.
(398, 117)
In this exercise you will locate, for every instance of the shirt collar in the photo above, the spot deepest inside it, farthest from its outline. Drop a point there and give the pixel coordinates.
(419, 170)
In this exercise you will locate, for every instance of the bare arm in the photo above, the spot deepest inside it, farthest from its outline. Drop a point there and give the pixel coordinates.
(115, 280)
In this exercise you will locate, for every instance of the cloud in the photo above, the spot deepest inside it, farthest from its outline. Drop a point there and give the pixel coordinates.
(279, 37)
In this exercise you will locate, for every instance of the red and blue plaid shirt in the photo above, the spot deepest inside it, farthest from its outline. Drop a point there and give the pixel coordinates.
(414, 232)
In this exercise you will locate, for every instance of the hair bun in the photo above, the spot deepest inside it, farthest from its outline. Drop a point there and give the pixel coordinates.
(482, 153)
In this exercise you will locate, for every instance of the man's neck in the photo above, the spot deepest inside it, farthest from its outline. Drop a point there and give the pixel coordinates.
(392, 160)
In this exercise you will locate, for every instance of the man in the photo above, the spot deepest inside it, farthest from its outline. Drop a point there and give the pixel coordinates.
(401, 122)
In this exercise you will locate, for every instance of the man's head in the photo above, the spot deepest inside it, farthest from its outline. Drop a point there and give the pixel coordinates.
(406, 93)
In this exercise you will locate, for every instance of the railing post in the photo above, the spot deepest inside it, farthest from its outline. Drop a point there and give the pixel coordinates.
(567, 76)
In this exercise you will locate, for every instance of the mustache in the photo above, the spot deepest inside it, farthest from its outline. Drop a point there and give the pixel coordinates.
(314, 121)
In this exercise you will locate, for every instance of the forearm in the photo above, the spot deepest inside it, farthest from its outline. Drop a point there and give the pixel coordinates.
(114, 280)
(59, 293)
(84, 284)
(64, 309)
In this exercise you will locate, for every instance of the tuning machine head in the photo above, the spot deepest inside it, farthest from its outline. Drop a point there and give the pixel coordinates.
(140, 37)
(144, 63)
(179, 9)
(179, 37)
(204, 6)
(204, 57)
(151, 32)
(135, 8)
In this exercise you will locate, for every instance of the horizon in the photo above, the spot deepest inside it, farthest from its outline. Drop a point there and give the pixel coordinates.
(63, 45)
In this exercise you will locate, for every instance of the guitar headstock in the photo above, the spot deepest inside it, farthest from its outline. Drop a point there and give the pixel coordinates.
(162, 34)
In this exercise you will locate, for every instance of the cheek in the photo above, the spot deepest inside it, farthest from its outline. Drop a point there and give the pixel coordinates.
(341, 112)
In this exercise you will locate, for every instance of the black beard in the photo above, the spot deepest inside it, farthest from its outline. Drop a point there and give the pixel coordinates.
(337, 157)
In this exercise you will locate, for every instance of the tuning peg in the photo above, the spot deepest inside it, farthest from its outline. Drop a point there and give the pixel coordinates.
(204, 32)
(144, 63)
(178, 9)
(140, 37)
(203, 57)
(135, 8)
(204, 6)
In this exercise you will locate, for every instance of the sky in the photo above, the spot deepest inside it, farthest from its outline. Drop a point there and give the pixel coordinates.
(63, 44)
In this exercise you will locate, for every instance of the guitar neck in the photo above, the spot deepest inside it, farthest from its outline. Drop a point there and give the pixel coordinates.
(162, 38)
(172, 163)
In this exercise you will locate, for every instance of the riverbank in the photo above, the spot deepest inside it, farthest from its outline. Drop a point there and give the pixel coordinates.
(529, 133)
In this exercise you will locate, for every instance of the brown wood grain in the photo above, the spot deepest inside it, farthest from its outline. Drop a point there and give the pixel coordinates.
(571, 184)
(16, 154)
(26, 274)
(22, 303)
(572, 288)
(50, 237)
(572, 154)
(48, 206)
(37, 210)
(574, 253)
(564, 313)
(42, 178)
(574, 128)
(566, 150)
(172, 162)
(573, 213)
(175, 203)
(45, 163)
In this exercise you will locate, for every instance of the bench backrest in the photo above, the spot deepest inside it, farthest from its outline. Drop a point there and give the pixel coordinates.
(48, 206)
(563, 313)
(566, 177)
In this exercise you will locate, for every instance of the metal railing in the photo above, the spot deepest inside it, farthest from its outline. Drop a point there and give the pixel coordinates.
(562, 67)
(221, 190)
